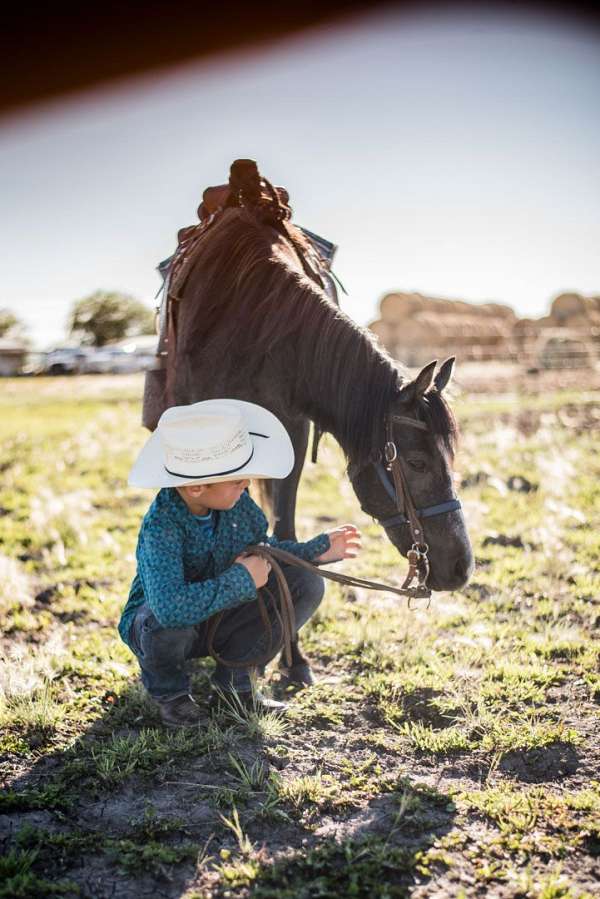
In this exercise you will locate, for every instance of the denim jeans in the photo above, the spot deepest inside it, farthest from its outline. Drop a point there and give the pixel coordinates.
(163, 652)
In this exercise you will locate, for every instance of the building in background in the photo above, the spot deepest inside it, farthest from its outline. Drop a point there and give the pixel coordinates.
(13, 355)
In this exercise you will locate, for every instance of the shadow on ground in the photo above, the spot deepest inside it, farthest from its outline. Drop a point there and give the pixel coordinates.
(130, 810)
(541, 765)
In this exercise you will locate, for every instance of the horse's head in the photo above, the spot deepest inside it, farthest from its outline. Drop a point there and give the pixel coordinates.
(425, 452)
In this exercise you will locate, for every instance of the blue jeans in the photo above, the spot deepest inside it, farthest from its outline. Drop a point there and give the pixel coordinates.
(163, 652)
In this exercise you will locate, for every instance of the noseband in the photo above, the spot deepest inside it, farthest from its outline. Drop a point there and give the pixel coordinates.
(398, 491)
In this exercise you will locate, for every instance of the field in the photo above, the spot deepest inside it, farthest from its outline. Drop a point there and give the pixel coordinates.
(449, 752)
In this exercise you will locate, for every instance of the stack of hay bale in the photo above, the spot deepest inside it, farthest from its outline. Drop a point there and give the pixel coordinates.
(416, 328)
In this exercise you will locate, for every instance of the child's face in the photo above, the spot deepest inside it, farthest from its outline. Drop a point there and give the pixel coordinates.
(215, 496)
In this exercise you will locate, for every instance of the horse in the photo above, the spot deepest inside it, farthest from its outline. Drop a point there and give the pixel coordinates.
(255, 322)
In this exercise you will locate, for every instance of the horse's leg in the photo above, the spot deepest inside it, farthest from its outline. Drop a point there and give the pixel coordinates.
(284, 508)
(285, 491)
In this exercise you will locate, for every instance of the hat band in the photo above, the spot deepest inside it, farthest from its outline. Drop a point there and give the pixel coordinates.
(217, 474)
(214, 474)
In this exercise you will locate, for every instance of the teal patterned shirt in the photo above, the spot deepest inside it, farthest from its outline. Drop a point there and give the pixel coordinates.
(184, 566)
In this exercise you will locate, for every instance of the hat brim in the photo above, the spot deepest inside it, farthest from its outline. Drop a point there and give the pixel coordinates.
(272, 457)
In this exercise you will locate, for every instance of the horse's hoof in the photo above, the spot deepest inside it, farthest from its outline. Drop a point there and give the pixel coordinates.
(298, 676)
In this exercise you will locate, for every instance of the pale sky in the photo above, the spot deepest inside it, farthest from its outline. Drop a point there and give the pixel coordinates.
(455, 155)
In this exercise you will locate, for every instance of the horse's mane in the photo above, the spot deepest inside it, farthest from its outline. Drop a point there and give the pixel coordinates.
(247, 302)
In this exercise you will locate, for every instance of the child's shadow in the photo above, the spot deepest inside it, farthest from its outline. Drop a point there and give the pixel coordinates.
(131, 808)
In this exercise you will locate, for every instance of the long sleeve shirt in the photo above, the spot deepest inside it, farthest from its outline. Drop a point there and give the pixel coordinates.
(185, 570)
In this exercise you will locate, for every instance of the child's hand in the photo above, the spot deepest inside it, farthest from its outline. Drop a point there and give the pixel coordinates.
(345, 544)
(258, 567)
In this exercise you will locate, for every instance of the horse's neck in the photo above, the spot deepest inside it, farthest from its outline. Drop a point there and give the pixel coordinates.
(327, 368)
(325, 386)
(344, 379)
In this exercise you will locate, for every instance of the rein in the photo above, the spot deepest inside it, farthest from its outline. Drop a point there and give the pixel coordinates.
(418, 563)
(285, 614)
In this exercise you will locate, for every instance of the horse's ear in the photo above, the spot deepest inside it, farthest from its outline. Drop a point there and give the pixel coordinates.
(415, 389)
(444, 374)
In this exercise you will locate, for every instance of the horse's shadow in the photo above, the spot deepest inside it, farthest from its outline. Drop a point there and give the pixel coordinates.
(131, 809)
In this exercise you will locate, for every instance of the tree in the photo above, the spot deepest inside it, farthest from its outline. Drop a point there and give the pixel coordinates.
(12, 327)
(105, 316)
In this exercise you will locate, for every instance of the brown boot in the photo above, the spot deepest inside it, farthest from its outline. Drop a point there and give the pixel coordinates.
(182, 711)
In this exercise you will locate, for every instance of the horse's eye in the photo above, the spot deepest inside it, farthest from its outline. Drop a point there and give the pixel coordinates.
(417, 464)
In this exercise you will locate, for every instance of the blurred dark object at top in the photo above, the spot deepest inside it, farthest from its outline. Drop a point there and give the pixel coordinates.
(57, 49)
(64, 48)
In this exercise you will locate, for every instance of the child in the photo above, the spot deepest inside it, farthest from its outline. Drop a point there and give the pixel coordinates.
(191, 559)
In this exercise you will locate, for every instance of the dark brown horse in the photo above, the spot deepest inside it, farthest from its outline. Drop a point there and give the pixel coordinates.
(255, 323)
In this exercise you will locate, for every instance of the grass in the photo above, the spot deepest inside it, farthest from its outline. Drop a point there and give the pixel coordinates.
(17, 878)
(450, 750)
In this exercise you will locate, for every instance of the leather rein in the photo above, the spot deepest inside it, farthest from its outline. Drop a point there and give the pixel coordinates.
(418, 562)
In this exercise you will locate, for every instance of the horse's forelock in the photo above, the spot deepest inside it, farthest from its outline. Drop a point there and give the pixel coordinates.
(440, 419)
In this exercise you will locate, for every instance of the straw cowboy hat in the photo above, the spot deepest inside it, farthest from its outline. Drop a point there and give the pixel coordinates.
(212, 441)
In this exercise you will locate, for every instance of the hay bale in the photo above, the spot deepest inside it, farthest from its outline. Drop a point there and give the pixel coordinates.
(567, 305)
(575, 311)
(422, 329)
(415, 327)
(383, 331)
(396, 307)
(498, 310)
(465, 329)
(526, 327)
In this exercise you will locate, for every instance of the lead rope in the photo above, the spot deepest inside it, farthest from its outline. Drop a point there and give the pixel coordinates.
(286, 615)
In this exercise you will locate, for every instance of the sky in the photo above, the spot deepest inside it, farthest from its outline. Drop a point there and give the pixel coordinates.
(451, 154)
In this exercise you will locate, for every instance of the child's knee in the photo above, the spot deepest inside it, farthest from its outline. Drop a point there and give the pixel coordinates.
(164, 645)
(173, 643)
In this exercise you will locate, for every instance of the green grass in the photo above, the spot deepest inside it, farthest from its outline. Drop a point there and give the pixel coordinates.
(443, 750)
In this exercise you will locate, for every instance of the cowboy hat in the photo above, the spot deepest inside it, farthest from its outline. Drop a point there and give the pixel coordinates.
(212, 441)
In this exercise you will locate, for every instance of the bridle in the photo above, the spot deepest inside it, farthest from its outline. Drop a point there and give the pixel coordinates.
(417, 557)
(397, 489)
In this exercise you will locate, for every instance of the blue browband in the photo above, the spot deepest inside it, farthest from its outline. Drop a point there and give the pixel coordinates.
(452, 505)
